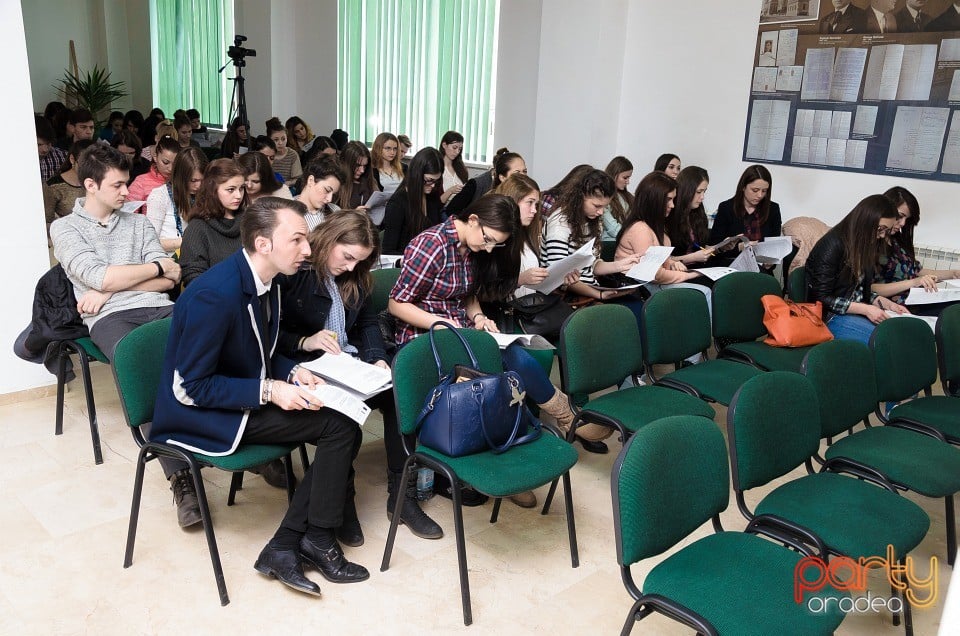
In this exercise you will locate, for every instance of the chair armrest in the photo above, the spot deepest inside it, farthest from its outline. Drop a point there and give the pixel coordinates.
(857, 469)
(917, 427)
(789, 533)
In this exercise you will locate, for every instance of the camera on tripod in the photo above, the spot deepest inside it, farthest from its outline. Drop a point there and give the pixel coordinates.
(237, 53)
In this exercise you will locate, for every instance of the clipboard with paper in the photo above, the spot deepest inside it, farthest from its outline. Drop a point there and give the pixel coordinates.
(556, 272)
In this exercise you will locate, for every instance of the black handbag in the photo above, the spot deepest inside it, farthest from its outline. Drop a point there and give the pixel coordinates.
(471, 411)
(541, 314)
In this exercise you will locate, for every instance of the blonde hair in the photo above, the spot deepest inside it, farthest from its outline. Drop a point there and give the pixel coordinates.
(376, 153)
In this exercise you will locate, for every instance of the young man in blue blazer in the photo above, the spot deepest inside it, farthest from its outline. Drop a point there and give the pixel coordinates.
(223, 385)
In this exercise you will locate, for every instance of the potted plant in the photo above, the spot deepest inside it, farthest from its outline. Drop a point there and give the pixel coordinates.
(92, 90)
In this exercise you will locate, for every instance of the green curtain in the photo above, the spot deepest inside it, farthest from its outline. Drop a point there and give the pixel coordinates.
(419, 67)
(189, 40)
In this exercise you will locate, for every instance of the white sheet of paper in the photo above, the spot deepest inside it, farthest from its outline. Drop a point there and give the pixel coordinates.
(376, 199)
(944, 294)
(954, 94)
(768, 129)
(916, 71)
(836, 152)
(787, 49)
(883, 72)
(774, 247)
(132, 206)
(390, 261)
(951, 152)
(930, 320)
(504, 340)
(840, 124)
(650, 263)
(789, 78)
(949, 50)
(583, 257)
(765, 79)
(953, 283)
(917, 138)
(817, 74)
(847, 73)
(747, 261)
(865, 123)
(822, 122)
(803, 124)
(800, 152)
(366, 379)
(341, 400)
(856, 156)
(715, 273)
(818, 150)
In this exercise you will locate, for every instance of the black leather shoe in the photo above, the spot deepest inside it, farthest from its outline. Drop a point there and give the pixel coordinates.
(185, 498)
(285, 566)
(274, 474)
(331, 563)
(599, 448)
(350, 534)
(468, 496)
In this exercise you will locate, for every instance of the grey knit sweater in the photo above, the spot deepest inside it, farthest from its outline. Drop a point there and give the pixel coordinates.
(206, 243)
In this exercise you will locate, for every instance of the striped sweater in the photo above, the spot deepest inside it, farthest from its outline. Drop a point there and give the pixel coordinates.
(556, 244)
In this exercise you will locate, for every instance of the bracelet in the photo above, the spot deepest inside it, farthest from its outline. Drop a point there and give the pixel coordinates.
(266, 391)
(473, 318)
(159, 269)
(293, 373)
(300, 343)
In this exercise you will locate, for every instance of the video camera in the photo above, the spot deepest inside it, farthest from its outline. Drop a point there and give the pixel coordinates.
(237, 53)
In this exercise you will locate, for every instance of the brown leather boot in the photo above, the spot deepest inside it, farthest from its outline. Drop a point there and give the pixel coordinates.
(558, 407)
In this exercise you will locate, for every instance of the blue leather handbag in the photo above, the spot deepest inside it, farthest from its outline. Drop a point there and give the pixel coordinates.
(471, 411)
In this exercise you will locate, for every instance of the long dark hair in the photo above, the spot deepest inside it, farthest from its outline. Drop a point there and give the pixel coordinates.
(686, 221)
(426, 161)
(617, 165)
(858, 232)
(517, 186)
(751, 174)
(501, 164)
(650, 204)
(904, 238)
(255, 162)
(660, 165)
(352, 153)
(595, 183)
(346, 227)
(453, 137)
(208, 205)
(188, 161)
(496, 271)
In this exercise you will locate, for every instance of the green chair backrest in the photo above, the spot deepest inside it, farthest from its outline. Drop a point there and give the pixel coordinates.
(607, 250)
(905, 357)
(415, 372)
(676, 325)
(137, 366)
(773, 424)
(843, 376)
(383, 282)
(948, 343)
(599, 347)
(797, 285)
(737, 311)
(670, 478)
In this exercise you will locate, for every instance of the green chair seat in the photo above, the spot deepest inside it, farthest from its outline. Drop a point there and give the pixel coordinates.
(637, 406)
(741, 601)
(522, 468)
(767, 357)
(715, 380)
(844, 511)
(938, 411)
(92, 350)
(894, 452)
(247, 456)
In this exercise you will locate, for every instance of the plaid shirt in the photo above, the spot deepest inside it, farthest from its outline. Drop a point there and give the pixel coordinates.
(436, 277)
(50, 165)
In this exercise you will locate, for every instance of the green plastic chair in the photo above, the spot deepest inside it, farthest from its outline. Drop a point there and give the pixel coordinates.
(383, 282)
(137, 365)
(738, 323)
(86, 352)
(519, 469)
(905, 355)
(843, 376)
(599, 347)
(669, 479)
(676, 325)
(948, 349)
(797, 285)
(773, 426)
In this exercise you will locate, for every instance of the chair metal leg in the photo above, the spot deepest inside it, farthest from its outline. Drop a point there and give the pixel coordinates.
(631, 619)
(549, 499)
(951, 521)
(91, 406)
(571, 524)
(236, 483)
(135, 508)
(208, 531)
(395, 520)
(496, 509)
(288, 467)
(907, 609)
(461, 548)
(61, 387)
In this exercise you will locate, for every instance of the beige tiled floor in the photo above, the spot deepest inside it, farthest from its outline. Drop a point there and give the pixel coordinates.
(65, 523)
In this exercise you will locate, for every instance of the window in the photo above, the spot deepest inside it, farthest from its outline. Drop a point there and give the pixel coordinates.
(187, 39)
(421, 68)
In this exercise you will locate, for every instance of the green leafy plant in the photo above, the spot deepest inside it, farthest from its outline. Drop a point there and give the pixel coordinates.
(92, 90)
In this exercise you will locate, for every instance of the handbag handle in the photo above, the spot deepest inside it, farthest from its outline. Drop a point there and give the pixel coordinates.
(512, 440)
(802, 311)
(463, 341)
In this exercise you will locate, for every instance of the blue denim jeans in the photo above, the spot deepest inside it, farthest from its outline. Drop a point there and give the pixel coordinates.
(851, 327)
(535, 381)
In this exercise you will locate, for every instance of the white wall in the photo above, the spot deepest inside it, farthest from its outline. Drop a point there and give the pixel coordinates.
(685, 90)
(518, 49)
(24, 255)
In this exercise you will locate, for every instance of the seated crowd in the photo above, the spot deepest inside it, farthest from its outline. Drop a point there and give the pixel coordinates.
(268, 249)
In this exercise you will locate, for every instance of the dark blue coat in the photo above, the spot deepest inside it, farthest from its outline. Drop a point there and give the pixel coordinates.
(215, 362)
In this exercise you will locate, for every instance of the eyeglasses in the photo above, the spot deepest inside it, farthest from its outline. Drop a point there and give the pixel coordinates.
(883, 230)
(430, 180)
(487, 241)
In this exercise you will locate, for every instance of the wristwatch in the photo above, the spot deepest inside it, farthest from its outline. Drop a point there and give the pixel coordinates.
(159, 269)
(266, 391)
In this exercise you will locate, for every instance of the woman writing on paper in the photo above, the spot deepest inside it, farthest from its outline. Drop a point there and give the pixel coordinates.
(687, 225)
(841, 267)
(750, 212)
(444, 269)
(898, 270)
(326, 310)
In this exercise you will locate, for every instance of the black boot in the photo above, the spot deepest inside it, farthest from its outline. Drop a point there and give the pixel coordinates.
(410, 513)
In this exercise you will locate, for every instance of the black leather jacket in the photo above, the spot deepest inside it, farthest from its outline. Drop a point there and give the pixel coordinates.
(829, 279)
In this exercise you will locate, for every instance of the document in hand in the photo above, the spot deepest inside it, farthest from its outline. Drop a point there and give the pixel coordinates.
(747, 261)
(944, 294)
(530, 341)
(366, 380)
(773, 250)
(930, 320)
(651, 261)
(583, 257)
(714, 273)
(953, 283)
(342, 400)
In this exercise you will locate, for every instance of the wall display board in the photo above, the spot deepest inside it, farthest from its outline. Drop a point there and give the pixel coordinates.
(871, 86)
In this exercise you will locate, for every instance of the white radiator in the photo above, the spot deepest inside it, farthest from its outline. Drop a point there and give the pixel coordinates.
(938, 257)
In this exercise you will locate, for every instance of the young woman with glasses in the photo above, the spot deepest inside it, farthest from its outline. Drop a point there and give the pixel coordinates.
(415, 205)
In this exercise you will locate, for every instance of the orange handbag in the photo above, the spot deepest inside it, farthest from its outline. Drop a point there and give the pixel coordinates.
(791, 324)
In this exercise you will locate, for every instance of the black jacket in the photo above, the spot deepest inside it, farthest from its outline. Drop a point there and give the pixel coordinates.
(304, 307)
(828, 277)
(396, 233)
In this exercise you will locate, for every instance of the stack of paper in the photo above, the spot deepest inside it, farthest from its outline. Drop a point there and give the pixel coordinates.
(583, 257)
(342, 400)
(358, 377)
